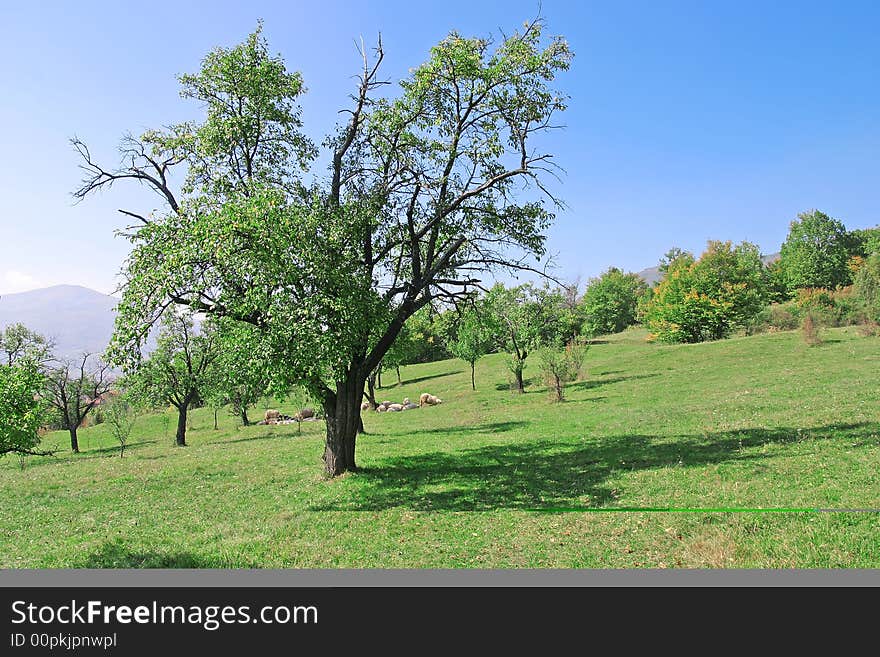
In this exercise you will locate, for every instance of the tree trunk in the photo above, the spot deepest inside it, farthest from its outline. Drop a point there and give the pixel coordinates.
(473, 375)
(399, 382)
(180, 438)
(379, 378)
(245, 420)
(216, 426)
(371, 391)
(74, 443)
(343, 419)
(520, 386)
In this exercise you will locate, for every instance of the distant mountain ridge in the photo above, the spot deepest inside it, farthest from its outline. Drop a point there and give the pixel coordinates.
(76, 318)
(653, 275)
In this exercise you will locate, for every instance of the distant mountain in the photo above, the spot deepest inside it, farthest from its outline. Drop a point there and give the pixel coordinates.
(653, 274)
(76, 318)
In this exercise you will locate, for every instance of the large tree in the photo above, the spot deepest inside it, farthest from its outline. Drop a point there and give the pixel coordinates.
(180, 369)
(74, 387)
(816, 252)
(611, 302)
(706, 299)
(426, 190)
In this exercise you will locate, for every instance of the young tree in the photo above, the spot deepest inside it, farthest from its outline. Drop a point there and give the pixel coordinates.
(422, 197)
(179, 368)
(816, 252)
(74, 387)
(120, 416)
(242, 367)
(561, 365)
(21, 408)
(524, 317)
(611, 301)
(472, 338)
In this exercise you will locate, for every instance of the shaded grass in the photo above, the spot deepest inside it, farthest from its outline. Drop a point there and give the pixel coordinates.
(758, 422)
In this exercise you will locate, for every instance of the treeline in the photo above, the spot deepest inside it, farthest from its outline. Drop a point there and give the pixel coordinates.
(826, 275)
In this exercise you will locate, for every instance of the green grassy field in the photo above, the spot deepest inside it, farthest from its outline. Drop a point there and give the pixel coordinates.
(494, 479)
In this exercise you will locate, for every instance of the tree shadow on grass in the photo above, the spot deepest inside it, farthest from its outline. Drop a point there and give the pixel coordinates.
(489, 427)
(420, 379)
(116, 554)
(547, 474)
(589, 384)
(511, 386)
(64, 454)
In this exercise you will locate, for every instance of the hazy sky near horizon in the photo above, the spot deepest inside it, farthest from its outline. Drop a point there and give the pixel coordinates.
(688, 121)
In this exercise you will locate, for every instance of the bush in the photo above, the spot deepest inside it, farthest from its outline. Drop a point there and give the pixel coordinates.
(810, 331)
(775, 317)
(560, 366)
(611, 301)
(707, 299)
(866, 286)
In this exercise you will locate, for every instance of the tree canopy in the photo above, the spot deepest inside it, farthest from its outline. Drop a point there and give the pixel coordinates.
(427, 190)
(707, 298)
(816, 252)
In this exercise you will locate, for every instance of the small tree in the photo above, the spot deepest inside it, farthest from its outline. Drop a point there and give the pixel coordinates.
(178, 369)
(524, 318)
(472, 339)
(866, 286)
(241, 370)
(21, 408)
(561, 366)
(74, 389)
(810, 330)
(120, 417)
(611, 301)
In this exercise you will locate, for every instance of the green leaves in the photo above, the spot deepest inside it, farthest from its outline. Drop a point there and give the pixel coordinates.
(610, 303)
(428, 189)
(706, 299)
(816, 252)
(21, 407)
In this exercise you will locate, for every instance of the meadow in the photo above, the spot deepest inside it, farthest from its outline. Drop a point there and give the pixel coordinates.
(748, 452)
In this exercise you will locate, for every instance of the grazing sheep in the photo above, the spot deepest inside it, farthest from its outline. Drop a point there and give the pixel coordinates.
(381, 408)
(426, 399)
(271, 416)
(365, 406)
(305, 414)
(395, 408)
(408, 405)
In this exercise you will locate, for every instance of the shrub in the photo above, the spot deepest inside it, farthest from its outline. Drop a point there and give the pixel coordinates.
(810, 331)
(611, 301)
(707, 299)
(560, 366)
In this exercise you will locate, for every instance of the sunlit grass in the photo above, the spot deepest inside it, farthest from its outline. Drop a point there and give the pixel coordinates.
(762, 422)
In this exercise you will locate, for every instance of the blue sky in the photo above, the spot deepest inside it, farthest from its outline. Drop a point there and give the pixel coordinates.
(688, 120)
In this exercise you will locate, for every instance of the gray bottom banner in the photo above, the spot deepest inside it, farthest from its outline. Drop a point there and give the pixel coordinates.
(433, 578)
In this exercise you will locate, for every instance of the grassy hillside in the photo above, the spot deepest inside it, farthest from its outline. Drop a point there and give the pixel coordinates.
(492, 479)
